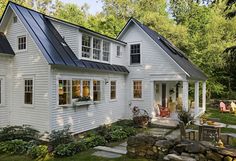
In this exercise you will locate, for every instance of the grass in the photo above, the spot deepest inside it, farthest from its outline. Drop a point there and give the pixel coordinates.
(227, 118)
(83, 156)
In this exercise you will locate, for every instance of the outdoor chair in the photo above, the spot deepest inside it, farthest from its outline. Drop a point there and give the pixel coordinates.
(186, 133)
(233, 107)
(223, 107)
(164, 111)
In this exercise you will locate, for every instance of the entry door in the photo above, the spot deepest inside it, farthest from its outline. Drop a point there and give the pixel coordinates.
(163, 96)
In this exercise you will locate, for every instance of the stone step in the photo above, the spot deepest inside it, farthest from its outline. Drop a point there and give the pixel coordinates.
(109, 149)
(106, 154)
(124, 144)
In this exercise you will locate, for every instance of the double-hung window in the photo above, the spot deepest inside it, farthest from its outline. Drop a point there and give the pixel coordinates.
(64, 92)
(118, 52)
(137, 89)
(135, 54)
(28, 92)
(21, 42)
(106, 51)
(86, 46)
(86, 88)
(96, 48)
(96, 90)
(113, 90)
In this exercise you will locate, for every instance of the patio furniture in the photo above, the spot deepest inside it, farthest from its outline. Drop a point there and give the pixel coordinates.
(233, 107)
(223, 107)
(229, 136)
(164, 111)
(209, 131)
(186, 133)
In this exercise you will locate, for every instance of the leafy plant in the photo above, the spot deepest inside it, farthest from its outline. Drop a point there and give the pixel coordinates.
(186, 117)
(24, 132)
(84, 98)
(14, 147)
(93, 140)
(64, 150)
(38, 151)
(58, 137)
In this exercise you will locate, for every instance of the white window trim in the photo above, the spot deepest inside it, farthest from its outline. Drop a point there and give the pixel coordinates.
(141, 62)
(70, 78)
(17, 37)
(132, 89)
(118, 56)
(113, 100)
(33, 85)
(91, 47)
(2, 103)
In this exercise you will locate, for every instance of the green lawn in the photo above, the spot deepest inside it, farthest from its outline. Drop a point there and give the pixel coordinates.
(227, 118)
(83, 156)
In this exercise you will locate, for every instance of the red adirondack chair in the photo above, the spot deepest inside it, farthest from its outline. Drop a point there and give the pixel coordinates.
(223, 107)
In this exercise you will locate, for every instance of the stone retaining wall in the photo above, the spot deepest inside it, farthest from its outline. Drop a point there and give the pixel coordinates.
(160, 148)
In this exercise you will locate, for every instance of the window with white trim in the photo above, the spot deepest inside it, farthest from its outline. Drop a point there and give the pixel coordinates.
(76, 89)
(96, 90)
(15, 19)
(64, 92)
(96, 48)
(86, 46)
(28, 92)
(113, 90)
(137, 89)
(21, 42)
(1, 82)
(86, 88)
(106, 51)
(118, 52)
(135, 54)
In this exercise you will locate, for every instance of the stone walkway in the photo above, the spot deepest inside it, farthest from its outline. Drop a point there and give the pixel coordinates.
(119, 150)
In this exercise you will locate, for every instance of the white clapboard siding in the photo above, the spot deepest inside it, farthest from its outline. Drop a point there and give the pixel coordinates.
(154, 64)
(86, 118)
(30, 63)
(5, 76)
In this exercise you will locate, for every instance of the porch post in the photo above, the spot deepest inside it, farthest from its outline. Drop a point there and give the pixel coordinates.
(196, 98)
(204, 96)
(185, 96)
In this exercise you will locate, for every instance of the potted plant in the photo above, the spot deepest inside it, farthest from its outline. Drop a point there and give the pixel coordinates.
(140, 117)
(82, 100)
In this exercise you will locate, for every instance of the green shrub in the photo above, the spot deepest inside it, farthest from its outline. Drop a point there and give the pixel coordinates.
(37, 151)
(64, 150)
(24, 132)
(130, 131)
(117, 133)
(124, 123)
(58, 137)
(93, 140)
(14, 147)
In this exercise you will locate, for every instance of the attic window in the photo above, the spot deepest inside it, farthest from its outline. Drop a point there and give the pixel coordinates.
(21, 42)
(14, 19)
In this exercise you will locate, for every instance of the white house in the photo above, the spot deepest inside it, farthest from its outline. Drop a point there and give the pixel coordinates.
(47, 66)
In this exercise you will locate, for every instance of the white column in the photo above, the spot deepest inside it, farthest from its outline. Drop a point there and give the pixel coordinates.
(196, 98)
(185, 96)
(204, 96)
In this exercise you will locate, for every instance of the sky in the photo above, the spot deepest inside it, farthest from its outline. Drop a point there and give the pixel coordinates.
(94, 5)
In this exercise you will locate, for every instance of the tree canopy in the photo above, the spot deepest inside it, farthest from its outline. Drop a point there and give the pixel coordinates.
(203, 29)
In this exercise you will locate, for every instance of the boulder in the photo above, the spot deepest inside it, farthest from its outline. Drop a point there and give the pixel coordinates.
(228, 158)
(227, 152)
(173, 157)
(180, 147)
(213, 156)
(164, 145)
(195, 147)
(141, 140)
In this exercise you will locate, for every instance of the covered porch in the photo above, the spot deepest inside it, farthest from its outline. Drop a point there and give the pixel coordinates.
(174, 96)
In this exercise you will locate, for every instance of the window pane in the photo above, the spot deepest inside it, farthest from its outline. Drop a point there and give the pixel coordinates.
(86, 88)
(118, 51)
(135, 54)
(64, 92)
(113, 90)
(28, 94)
(106, 51)
(86, 46)
(76, 90)
(21, 42)
(96, 90)
(137, 89)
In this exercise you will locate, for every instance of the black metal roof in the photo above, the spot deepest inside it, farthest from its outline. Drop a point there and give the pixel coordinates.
(50, 42)
(5, 47)
(176, 54)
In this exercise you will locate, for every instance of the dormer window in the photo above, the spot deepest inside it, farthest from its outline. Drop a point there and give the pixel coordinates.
(14, 19)
(96, 48)
(106, 51)
(21, 42)
(86, 46)
(118, 53)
